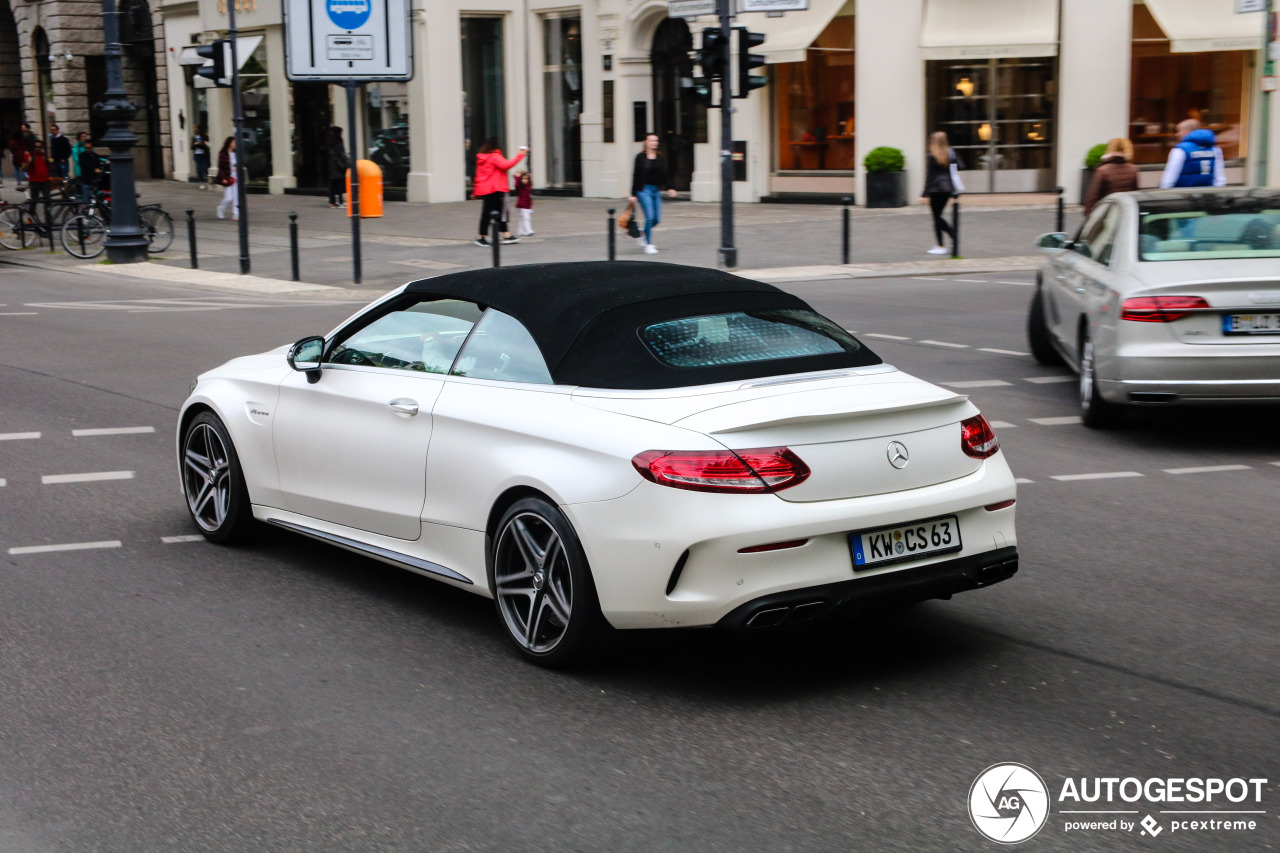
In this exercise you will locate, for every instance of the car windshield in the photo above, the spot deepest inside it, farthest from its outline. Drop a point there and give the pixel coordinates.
(713, 340)
(1209, 227)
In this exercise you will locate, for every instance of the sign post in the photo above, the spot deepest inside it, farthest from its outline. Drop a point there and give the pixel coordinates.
(349, 42)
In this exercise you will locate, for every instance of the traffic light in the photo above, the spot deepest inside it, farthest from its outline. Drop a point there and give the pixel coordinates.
(714, 53)
(702, 91)
(748, 61)
(219, 52)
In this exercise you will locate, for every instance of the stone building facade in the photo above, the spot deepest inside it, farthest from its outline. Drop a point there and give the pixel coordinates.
(52, 71)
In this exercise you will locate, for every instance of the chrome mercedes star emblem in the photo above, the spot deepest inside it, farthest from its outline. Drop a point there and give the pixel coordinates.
(897, 453)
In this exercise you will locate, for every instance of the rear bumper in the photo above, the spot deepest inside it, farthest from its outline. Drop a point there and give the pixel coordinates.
(1192, 391)
(1176, 372)
(845, 598)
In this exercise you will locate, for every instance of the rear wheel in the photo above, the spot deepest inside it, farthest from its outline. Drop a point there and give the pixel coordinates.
(84, 236)
(543, 588)
(158, 227)
(213, 482)
(17, 228)
(1094, 411)
(1038, 337)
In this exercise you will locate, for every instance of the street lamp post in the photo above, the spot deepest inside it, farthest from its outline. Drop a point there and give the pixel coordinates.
(126, 244)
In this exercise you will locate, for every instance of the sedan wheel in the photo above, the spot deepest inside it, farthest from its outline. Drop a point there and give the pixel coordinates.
(543, 588)
(212, 480)
(1094, 411)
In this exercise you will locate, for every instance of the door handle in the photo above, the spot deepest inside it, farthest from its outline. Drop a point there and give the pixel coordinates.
(404, 406)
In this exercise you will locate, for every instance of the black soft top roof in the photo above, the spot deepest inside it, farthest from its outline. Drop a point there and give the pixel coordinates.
(584, 316)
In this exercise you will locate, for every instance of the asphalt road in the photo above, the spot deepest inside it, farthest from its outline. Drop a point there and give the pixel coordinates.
(178, 696)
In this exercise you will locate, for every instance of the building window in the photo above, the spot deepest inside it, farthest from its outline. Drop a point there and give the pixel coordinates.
(386, 113)
(483, 114)
(562, 86)
(255, 142)
(607, 111)
(1167, 88)
(813, 103)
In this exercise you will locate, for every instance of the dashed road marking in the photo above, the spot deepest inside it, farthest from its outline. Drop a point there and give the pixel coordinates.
(977, 383)
(18, 436)
(885, 337)
(1208, 469)
(69, 546)
(1062, 421)
(91, 477)
(945, 344)
(1104, 475)
(1002, 351)
(1018, 283)
(3, 482)
(18, 313)
(174, 540)
(1002, 425)
(971, 280)
(927, 278)
(1022, 480)
(81, 433)
(1047, 380)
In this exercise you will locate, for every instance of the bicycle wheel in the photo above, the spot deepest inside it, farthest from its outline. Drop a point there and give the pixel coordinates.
(158, 226)
(84, 236)
(17, 228)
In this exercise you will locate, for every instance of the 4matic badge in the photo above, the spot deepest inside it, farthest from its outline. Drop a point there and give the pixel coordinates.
(1008, 803)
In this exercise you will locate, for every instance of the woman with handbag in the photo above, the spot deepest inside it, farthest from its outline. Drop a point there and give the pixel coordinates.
(648, 180)
(226, 178)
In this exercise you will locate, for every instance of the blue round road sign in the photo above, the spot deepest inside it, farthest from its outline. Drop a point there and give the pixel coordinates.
(349, 14)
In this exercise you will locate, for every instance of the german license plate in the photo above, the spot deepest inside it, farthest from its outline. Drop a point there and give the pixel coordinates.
(907, 542)
(1251, 324)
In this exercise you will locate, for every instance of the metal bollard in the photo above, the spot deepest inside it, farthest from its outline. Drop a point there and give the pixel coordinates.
(1062, 213)
(191, 237)
(955, 226)
(844, 230)
(496, 238)
(612, 238)
(293, 244)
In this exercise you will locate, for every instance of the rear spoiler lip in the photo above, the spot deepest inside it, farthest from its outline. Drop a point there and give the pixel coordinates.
(950, 400)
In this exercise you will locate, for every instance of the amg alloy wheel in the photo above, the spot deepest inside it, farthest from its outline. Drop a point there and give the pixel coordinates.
(213, 482)
(543, 588)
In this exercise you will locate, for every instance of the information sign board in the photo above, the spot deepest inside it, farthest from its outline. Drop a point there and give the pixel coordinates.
(362, 40)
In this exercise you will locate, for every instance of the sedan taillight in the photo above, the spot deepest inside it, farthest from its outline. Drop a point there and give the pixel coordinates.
(1159, 309)
(977, 438)
(766, 469)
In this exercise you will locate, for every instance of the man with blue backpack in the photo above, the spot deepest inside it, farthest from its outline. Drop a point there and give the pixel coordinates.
(1196, 161)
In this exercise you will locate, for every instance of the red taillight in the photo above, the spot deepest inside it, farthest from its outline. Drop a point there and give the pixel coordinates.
(765, 469)
(977, 438)
(1159, 309)
(1000, 505)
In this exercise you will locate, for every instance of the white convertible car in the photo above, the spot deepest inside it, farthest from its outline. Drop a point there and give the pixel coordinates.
(604, 446)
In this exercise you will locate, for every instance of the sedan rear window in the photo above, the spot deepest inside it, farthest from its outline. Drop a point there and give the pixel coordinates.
(740, 337)
(1209, 228)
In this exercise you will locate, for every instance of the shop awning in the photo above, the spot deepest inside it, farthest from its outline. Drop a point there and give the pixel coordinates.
(983, 29)
(1196, 26)
(787, 38)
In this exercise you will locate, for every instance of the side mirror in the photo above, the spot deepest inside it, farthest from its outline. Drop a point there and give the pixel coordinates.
(1056, 240)
(305, 355)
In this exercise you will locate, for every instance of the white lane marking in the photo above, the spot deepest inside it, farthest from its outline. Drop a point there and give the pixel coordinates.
(17, 436)
(69, 546)
(977, 383)
(3, 482)
(1208, 469)
(80, 433)
(971, 280)
(91, 477)
(1022, 480)
(1068, 419)
(1277, 464)
(1002, 351)
(173, 540)
(886, 337)
(1019, 283)
(1002, 425)
(1047, 380)
(927, 278)
(1104, 475)
(945, 344)
(18, 313)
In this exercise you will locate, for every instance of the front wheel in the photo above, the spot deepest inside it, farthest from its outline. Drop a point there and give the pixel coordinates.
(84, 236)
(1094, 411)
(213, 481)
(158, 226)
(17, 228)
(543, 588)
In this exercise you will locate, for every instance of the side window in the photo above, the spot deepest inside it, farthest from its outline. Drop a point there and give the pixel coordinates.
(1089, 225)
(419, 336)
(1103, 242)
(502, 348)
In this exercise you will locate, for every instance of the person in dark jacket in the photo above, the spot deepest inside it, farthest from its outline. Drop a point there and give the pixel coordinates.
(1115, 174)
(941, 182)
(338, 166)
(648, 180)
(90, 165)
(59, 153)
(1196, 161)
(226, 179)
(200, 154)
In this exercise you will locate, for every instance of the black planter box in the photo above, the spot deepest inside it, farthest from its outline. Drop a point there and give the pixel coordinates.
(886, 189)
(1086, 178)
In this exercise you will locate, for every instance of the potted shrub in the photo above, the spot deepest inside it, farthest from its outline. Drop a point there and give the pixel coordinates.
(886, 180)
(1091, 162)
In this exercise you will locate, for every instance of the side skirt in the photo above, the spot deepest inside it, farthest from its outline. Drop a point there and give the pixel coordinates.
(395, 558)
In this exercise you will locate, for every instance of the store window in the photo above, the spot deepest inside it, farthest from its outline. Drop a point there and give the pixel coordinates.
(1167, 88)
(813, 103)
(255, 136)
(998, 115)
(483, 114)
(386, 135)
(562, 85)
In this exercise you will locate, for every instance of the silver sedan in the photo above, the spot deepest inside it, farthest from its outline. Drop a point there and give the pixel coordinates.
(1161, 298)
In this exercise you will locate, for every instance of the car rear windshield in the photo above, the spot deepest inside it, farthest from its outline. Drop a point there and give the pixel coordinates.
(738, 337)
(1207, 227)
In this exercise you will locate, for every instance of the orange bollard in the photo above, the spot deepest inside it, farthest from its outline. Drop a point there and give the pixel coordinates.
(370, 189)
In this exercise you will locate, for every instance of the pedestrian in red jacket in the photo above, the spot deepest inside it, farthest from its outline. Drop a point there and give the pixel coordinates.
(524, 203)
(491, 187)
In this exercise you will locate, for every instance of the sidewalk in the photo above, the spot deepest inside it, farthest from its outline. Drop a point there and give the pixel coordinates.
(775, 242)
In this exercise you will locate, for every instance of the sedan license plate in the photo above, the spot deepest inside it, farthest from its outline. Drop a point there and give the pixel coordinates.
(906, 542)
(1251, 324)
